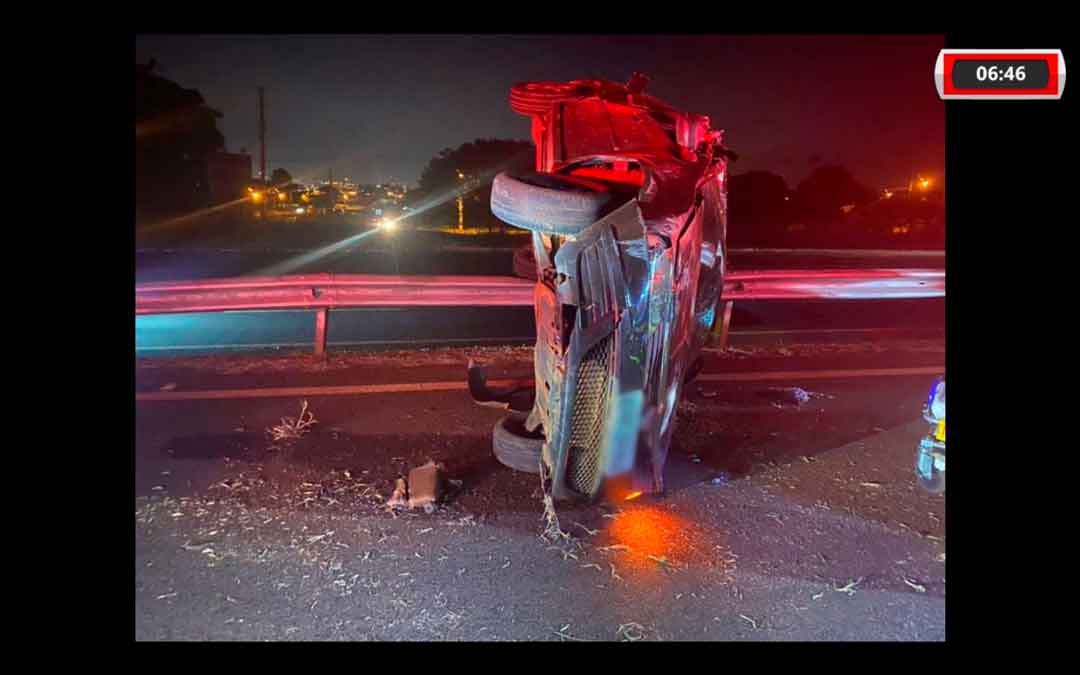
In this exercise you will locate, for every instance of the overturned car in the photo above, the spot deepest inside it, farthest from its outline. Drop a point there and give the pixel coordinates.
(628, 213)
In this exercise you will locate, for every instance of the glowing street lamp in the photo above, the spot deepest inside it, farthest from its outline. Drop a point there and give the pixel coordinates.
(461, 203)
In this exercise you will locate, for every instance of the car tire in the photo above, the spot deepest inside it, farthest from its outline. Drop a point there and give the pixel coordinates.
(515, 447)
(536, 98)
(547, 202)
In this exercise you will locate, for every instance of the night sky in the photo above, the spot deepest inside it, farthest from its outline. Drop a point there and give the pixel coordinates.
(378, 107)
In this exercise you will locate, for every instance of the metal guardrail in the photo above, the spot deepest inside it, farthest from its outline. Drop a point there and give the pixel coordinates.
(322, 292)
(863, 253)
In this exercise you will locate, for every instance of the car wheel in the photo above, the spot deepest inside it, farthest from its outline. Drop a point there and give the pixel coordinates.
(536, 98)
(547, 202)
(515, 446)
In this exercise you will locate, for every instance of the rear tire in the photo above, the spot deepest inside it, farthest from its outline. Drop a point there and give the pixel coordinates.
(548, 202)
(536, 98)
(515, 447)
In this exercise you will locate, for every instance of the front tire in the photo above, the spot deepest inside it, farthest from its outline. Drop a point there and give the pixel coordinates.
(547, 202)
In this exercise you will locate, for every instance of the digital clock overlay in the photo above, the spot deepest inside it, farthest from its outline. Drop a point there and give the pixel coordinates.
(1018, 74)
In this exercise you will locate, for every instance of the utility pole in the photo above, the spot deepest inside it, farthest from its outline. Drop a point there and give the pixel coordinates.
(262, 139)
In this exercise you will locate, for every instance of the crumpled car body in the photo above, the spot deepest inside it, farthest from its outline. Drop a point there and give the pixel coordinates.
(625, 302)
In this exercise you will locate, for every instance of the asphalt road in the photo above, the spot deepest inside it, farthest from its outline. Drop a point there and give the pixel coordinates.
(781, 521)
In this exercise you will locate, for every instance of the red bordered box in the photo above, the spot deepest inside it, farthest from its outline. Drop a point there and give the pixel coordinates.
(947, 59)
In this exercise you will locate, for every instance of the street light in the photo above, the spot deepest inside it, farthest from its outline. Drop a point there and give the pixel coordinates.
(461, 203)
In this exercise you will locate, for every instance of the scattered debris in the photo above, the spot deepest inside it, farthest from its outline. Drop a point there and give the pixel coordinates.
(167, 595)
(662, 561)
(587, 565)
(552, 530)
(748, 620)
(425, 486)
(871, 484)
(291, 428)
(795, 394)
(614, 547)
(631, 632)
(400, 496)
(168, 387)
(614, 574)
(849, 587)
(562, 633)
(792, 395)
(587, 530)
(737, 351)
(940, 558)
(919, 588)
(566, 554)
(721, 479)
(817, 596)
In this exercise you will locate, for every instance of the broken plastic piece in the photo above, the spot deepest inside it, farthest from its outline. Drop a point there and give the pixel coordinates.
(425, 486)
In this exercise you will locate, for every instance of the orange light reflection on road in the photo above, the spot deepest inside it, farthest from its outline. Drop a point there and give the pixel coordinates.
(651, 531)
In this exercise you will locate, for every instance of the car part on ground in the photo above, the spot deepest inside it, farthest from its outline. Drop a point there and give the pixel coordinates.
(628, 214)
(516, 395)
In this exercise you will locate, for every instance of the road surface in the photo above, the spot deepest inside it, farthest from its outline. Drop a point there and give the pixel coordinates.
(781, 521)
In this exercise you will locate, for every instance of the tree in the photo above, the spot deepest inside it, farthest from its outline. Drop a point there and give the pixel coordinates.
(469, 169)
(174, 133)
(280, 177)
(757, 198)
(822, 194)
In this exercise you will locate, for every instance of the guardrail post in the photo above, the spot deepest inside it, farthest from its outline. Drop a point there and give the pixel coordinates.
(320, 331)
(722, 323)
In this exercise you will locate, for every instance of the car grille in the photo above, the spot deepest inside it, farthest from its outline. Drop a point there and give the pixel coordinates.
(587, 420)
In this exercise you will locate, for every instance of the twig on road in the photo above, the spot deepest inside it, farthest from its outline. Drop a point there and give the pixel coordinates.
(631, 632)
(561, 633)
(849, 587)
